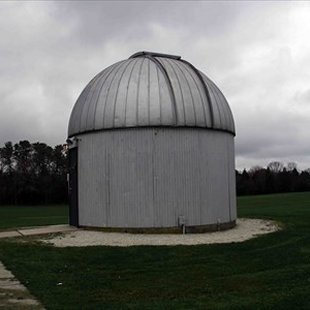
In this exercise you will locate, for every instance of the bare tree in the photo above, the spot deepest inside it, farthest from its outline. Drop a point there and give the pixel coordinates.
(291, 166)
(275, 166)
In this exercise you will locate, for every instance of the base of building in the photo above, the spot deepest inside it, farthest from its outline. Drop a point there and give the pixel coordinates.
(166, 230)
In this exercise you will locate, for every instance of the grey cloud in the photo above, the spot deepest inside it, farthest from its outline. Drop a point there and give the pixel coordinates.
(96, 21)
(302, 97)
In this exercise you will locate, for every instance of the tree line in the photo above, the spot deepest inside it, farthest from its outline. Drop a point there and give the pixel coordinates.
(276, 178)
(36, 173)
(33, 173)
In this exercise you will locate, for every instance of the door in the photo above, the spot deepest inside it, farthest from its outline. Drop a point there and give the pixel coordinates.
(73, 187)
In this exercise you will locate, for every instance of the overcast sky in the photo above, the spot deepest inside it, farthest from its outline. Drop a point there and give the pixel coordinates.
(258, 53)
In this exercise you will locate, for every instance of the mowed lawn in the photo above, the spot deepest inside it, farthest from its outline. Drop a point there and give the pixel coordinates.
(269, 272)
(21, 216)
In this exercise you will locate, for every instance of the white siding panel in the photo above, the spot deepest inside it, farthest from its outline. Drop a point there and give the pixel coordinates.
(232, 178)
(149, 177)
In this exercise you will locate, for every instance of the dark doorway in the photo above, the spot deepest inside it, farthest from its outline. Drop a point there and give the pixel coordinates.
(73, 187)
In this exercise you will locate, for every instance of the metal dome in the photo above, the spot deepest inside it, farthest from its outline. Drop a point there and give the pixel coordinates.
(150, 89)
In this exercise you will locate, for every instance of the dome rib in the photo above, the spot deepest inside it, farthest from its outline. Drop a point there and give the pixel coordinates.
(108, 117)
(138, 92)
(117, 93)
(198, 90)
(205, 88)
(97, 120)
(171, 92)
(159, 97)
(92, 102)
(97, 112)
(127, 88)
(150, 89)
(179, 122)
(180, 69)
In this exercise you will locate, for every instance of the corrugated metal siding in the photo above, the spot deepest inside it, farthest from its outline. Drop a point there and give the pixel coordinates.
(150, 91)
(232, 178)
(149, 177)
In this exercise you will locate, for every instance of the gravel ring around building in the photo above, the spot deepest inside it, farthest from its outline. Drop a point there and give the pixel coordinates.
(244, 230)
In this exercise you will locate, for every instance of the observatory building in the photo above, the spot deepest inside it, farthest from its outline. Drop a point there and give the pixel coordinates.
(151, 148)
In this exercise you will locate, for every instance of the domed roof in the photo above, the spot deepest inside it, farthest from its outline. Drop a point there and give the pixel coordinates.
(150, 89)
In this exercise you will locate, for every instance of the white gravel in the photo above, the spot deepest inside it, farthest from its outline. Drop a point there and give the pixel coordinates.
(244, 230)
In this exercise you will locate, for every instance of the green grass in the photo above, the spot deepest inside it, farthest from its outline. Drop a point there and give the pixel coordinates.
(269, 272)
(21, 216)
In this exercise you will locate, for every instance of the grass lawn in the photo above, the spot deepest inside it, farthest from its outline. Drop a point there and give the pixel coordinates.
(269, 272)
(22, 216)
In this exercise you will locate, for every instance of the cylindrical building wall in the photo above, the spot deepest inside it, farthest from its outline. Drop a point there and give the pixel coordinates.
(149, 177)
